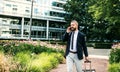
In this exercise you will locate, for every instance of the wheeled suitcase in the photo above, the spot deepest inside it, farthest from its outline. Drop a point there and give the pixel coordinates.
(90, 69)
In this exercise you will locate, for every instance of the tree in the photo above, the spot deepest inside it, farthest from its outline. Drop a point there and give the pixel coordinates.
(78, 10)
(98, 30)
(99, 19)
(108, 10)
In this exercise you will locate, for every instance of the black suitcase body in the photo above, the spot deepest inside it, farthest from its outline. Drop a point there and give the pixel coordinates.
(90, 69)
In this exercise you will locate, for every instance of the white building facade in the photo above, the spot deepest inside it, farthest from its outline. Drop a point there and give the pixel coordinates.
(47, 20)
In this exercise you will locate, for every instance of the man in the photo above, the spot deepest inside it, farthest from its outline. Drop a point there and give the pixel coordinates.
(75, 47)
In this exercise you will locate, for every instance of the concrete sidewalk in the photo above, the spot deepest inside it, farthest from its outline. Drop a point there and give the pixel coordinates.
(98, 53)
(99, 58)
(103, 52)
(100, 65)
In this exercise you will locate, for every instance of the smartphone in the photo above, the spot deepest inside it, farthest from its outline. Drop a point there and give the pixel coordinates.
(70, 28)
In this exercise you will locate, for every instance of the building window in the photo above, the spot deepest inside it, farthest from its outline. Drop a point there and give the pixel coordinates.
(27, 11)
(38, 34)
(14, 9)
(15, 31)
(35, 10)
(14, 22)
(26, 32)
(4, 21)
(8, 5)
(35, 23)
(57, 14)
(14, 5)
(57, 24)
(57, 4)
(39, 23)
(46, 13)
(26, 22)
(42, 23)
(28, 0)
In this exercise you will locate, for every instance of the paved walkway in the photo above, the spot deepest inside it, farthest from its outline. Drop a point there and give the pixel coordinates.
(99, 58)
(99, 52)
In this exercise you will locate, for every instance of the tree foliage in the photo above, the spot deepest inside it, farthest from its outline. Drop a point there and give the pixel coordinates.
(105, 9)
(78, 10)
(108, 10)
(100, 18)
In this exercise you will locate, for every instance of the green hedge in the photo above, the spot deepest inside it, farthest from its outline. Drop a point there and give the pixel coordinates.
(102, 45)
(89, 44)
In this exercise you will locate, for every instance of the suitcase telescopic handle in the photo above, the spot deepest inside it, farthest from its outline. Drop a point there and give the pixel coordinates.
(90, 70)
(85, 64)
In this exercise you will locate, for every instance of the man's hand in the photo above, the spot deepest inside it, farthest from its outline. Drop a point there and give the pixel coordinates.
(68, 30)
(86, 59)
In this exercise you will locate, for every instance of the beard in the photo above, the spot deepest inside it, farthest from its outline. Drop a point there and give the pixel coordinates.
(73, 29)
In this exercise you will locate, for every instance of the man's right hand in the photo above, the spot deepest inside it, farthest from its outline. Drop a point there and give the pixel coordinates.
(68, 30)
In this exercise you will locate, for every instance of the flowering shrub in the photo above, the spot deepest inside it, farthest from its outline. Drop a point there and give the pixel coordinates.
(115, 54)
(13, 47)
(116, 45)
(28, 57)
(114, 58)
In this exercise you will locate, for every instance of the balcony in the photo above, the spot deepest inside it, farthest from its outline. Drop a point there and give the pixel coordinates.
(37, 16)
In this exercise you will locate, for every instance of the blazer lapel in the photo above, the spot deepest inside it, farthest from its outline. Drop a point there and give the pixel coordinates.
(78, 36)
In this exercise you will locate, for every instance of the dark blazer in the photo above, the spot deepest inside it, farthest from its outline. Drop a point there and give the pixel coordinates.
(81, 45)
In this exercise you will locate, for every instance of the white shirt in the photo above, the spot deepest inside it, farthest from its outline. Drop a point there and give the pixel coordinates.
(74, 42)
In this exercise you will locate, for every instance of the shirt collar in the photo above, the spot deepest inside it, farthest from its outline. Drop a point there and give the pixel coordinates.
(76, 31)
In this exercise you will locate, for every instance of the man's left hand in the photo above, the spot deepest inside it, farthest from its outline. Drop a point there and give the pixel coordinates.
(86, 59)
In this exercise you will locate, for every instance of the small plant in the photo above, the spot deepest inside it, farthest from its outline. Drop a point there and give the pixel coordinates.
(44, 62)
(115, 67)
(6, 63)
(22, 57)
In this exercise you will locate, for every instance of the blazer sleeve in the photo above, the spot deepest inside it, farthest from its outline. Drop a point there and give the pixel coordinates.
(65, 37)
(84, 46)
